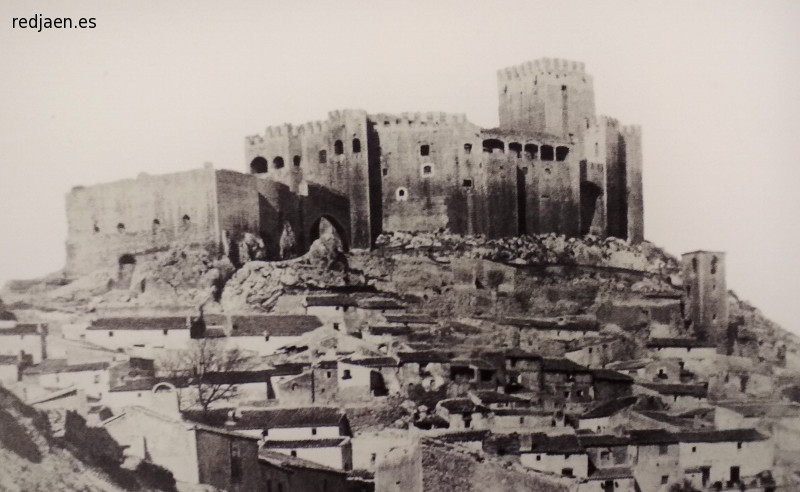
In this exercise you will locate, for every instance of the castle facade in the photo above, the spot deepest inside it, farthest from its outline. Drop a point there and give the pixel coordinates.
(552, 165)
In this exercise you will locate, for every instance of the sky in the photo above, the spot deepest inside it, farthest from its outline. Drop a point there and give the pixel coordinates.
(163, 86)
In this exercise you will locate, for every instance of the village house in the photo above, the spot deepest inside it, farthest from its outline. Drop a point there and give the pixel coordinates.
(779, 419)
(386, 335)
(463, 413)
(27, 341)
(9, 369)
(619, 479)
(507, 420)
(333, 452)
(147, 337)
(281, 472)
(655, 457)
(305, 384)
(634, 368)
(607, 415)
(564, 381)
(609, 384)
(427, 369)
(362, 379)
(564, 328)
(472, 374)
(596, 352)
(333, 310)
(681, 348)
(725, 456)
(676, 396)
(50, 374)
(265, 334)
(559, 454)
(520, 370)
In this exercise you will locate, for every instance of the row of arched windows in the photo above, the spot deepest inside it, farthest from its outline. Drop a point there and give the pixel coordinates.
(532, 151)
(260, 165)
(186, 221)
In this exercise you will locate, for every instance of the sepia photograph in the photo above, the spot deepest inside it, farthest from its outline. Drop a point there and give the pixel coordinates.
(264, 246)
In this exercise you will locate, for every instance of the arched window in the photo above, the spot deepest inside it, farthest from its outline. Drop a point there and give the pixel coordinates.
(427, 170)
(356, 146)
(296, 161)
(490, 144)
(561, 153)
(424, 150)
(338, 147)
(401, 194)
(547, 152)
(531, 151)
(258, 165)
(467, 148)
(186, 220)
(277, 163)
(323, 156)
(515, 148)
(120, 227)
(156, 222)
(467, 183)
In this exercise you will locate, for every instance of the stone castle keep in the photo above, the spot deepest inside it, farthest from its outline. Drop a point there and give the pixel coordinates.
(552, 165)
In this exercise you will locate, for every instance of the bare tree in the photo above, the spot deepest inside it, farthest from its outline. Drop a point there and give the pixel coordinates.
(209, 368)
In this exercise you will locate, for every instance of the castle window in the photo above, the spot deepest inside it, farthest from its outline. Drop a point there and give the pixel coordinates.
(467, 148)
(596, 149)
(346, 374)
(277, 163)
(385, 171)
(531, 151)
(156, 223)
(356, 146)
(186, 220)
(563, 87)
(516, 148)
(713, 265)
(424, 150)
(561, 153)
(96, 227)
(120, 227)
(694, 264)
(296, 161)
(427, 170)
(323, 156)
(258, 165)
(547, 152)
(338, 147)
(490, 144)
(401, 194)
(467, 183)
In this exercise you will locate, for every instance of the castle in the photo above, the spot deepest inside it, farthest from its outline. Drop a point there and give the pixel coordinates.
(552, 165)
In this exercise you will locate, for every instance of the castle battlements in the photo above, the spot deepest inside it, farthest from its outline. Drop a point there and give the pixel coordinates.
(607, 121)
(420, 119)
(631, 130)
(542, 65)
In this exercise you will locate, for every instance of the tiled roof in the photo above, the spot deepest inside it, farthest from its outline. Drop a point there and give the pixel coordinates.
(558, 324)
(6, 315)
(602, 440)
(140, 323)
(521, 412)
(20, 329)
(727, 435)
(478, 363)
(289, 369)
(330, 442)
(271, 418)
(238, 377)
(380, 303)
(611, 473)
(424, 356)
(394, 330)
(290, 463)
(770, 409)
(57, 366)
(696, 390)
(652, 437)
(8, 360)
(562, 365)
(609, 408)
(665, 418)
(276, 325)
(610, 375)
(421, 319)
(329, 300)
(372, 362)
(677, 342)
(559, 444)
(463, 436)
(625, 365)
(518, 353)
(327, 364)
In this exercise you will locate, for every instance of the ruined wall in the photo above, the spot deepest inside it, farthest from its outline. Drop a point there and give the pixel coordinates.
(332, 153)
(140, 215)
(547, 95)
(632, 143)
(706, 296)
(228, 462)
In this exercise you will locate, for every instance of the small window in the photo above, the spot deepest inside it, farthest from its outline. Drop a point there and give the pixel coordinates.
(336, 326)
(258, 165)
(424, 150)
(294, 453)
(96, 379)
(296, 161)
(385, 171)
(531, 151)
(538, 457)
(427, 170)
(694, 449)
(563, 87)
(738, 445)
(111, 333)
(323, 156)
(561, 153)
(346, 374)
(294, 386)
(567, 472)
(547, 152)
(156, 222)
(277, 163)
(356, 146)
(328, 374)
(313, 431)
(664, 479)
(401, 194)
(515, 148)
(186, 220)
(338, 147)
(694, 264)
(120, 227)
(663, 449)
(714, 265)
(165, 330)
(605, 455)
(467, 148)
(522, 420)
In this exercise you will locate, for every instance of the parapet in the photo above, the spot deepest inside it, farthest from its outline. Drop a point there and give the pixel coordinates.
(607, 121)
(418, 119)
(539, 66)
(631, 130)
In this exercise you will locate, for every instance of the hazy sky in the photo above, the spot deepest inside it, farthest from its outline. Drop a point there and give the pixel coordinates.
(162, 86)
